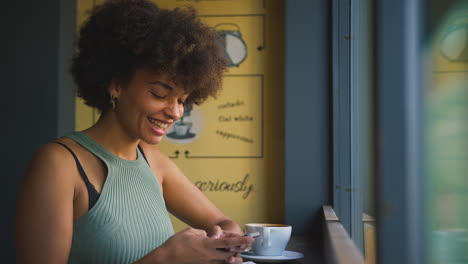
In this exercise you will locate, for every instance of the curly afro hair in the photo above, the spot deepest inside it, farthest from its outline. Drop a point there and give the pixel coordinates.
(121, 36)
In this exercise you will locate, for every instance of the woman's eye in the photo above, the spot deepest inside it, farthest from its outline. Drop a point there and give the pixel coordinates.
(181, 102)
(158, 96)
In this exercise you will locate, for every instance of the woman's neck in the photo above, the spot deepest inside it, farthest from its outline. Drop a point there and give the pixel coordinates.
(111, 135)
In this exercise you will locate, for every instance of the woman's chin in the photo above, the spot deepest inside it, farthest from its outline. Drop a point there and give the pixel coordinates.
(153, 140)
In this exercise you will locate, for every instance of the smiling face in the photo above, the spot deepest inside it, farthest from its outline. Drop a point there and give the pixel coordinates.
(148, 105)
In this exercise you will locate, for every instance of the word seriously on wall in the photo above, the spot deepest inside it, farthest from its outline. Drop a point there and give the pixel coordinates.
(224, 186)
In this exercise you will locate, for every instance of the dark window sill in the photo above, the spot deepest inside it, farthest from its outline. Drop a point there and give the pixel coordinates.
(339, 247)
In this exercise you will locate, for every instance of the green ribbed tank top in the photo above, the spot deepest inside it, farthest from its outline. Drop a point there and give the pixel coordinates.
(130, 217)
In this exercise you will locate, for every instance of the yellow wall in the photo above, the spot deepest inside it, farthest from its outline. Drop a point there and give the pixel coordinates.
(234, 150)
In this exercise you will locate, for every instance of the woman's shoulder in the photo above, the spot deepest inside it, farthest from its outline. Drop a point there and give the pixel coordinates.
(52, 151)
(152, 152)
(51, 161)
(157, 159)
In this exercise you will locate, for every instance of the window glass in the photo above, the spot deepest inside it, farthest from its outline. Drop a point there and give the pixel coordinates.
(366, 93)
(366, 136)
(446, 131)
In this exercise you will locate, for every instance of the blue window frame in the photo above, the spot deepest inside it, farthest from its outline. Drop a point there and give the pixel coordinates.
(396, 97)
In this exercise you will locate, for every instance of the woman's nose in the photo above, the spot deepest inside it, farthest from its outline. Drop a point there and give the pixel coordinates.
(174, 110)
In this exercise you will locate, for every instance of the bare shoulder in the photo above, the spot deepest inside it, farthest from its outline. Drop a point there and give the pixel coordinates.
(154, 154)
(50, 163)
(160, 163)
(50, 150)
(52, 155)
(49, 183)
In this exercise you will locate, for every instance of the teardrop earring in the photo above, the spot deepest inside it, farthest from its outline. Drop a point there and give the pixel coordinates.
(112, 101)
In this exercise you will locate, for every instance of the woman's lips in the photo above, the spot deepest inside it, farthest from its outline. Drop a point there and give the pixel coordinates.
(159, 127)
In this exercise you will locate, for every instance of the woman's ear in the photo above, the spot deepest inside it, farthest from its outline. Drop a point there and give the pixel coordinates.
(114, 89)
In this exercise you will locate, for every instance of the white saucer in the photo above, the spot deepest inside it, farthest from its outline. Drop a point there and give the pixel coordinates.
(287, 256)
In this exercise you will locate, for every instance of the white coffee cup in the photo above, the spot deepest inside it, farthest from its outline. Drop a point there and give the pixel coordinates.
(272, 240)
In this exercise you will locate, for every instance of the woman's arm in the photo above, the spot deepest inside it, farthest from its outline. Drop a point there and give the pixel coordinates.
(184, 199)
(193, 246)
(44, 220)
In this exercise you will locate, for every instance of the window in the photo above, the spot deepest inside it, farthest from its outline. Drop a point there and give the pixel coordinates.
(353, 135)
(446, 131)
(400, 123)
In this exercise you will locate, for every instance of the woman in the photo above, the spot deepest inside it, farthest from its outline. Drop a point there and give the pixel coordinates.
(102, 195)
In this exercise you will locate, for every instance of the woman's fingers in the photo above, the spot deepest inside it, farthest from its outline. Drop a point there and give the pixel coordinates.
(229, 260)
(230, 242)
(234, 260)
(195, 232)
(229, 247)
(216, 232)
(228, 234)
(239, 249)
(224, 253)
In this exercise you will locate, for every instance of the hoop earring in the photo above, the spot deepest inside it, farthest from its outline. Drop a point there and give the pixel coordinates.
(112, 102)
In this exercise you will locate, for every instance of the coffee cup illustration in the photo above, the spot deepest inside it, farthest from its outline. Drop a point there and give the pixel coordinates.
(182, 128)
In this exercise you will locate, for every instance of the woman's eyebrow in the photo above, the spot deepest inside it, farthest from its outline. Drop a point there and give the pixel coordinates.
(165, 85)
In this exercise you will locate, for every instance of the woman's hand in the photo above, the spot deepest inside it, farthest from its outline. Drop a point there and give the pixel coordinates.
(195, 247)
(217, 232)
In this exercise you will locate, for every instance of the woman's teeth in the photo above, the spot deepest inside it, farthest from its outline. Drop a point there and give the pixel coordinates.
(157, 123)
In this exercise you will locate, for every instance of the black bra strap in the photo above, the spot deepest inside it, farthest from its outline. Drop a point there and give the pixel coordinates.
(143, 153)
(93, 195)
